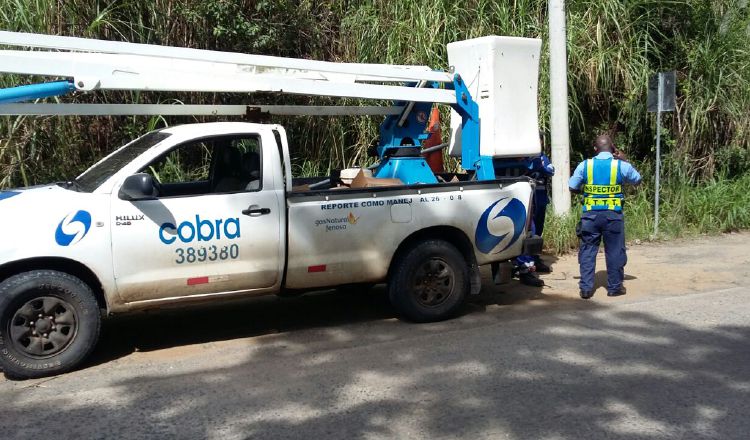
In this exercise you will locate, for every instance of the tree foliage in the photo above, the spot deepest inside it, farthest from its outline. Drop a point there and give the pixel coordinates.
(613, 46)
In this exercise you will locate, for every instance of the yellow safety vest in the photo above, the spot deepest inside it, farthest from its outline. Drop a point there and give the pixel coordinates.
(603, 187)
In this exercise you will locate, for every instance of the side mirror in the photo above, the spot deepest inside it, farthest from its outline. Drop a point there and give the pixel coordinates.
(138, 187)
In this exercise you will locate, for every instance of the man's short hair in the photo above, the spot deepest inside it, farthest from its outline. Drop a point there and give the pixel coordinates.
(604, 143)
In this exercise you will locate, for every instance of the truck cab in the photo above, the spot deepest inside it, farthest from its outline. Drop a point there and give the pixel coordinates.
(166, 202)
(218, 197)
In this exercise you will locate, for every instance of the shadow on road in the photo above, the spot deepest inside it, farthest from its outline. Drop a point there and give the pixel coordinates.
(585, 371)
(600, 279)
(269, 315)
(162, 329)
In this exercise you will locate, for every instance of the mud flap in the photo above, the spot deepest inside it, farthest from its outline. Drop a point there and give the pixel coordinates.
(533, 245)
(475, 278)
(502, 272)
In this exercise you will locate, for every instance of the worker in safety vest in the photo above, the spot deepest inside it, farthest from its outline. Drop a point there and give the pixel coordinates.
(600, 180)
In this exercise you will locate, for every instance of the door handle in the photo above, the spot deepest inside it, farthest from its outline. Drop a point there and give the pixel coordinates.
(254, 211)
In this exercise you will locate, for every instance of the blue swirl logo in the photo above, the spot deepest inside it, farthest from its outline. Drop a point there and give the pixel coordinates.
(495, 218)
(8, 194)
(73, 228)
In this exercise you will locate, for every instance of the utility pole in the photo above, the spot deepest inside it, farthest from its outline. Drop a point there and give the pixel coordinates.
(558, 88)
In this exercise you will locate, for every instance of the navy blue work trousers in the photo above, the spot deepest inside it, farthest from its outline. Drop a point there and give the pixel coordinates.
(541, 200)
(595, 226)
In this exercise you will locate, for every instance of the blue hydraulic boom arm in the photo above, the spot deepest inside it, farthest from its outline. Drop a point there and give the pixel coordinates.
(35, 91)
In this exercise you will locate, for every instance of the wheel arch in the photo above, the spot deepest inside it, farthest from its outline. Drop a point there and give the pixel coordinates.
(452, 235)
(66, 265)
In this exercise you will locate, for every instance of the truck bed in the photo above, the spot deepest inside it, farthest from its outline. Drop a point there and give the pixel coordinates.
(350, 235)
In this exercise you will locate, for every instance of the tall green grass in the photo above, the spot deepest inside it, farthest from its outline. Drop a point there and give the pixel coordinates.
(613, 46)
(686, 209)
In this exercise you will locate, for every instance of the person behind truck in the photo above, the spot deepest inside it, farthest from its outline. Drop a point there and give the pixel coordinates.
(600, 180)
(540, 169)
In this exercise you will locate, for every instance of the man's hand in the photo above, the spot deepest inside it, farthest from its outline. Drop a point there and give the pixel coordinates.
(618, 154)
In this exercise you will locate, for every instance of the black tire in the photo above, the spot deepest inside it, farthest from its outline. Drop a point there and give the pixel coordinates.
(68, 329)
(429, 281)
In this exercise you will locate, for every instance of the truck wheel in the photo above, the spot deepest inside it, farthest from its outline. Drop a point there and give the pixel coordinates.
(49, 323)
(429, 281)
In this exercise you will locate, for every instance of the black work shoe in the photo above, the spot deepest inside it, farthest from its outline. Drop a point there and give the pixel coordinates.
(530, 279)
(541, 267)
(619, 292)
(586, 295)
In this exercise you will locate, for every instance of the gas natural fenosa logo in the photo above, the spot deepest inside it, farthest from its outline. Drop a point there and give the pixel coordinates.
(500, 225)
(337, 223)
(73, 228)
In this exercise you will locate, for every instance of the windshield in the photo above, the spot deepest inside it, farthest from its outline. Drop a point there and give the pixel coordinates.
(99, 173)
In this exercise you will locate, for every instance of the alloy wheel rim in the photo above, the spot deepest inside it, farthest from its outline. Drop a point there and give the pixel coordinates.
(43, 326)
(433, 282)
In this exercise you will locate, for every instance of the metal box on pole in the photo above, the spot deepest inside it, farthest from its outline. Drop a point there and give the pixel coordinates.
(661, 98)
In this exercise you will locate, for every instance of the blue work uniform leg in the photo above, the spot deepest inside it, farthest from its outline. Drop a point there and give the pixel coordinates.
(591, 236)
(614, 250)
(541, 200)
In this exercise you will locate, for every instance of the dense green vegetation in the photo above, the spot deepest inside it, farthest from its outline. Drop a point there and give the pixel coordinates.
(717, 205)
(613, 47)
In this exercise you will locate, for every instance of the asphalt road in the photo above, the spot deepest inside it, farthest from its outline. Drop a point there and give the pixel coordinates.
(526, 364)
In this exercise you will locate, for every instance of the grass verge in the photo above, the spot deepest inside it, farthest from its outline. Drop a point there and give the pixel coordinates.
(686, 209)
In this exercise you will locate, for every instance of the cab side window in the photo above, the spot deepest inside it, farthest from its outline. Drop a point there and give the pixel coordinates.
(189, 163)
(238, 166)
(208, 166)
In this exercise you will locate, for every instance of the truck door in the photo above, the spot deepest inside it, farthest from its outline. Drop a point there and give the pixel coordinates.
(214, 227)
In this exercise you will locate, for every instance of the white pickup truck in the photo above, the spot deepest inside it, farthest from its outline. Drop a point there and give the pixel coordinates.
(207, 212)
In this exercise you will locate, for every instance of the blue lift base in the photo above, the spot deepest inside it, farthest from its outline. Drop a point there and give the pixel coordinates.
(410, 170)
